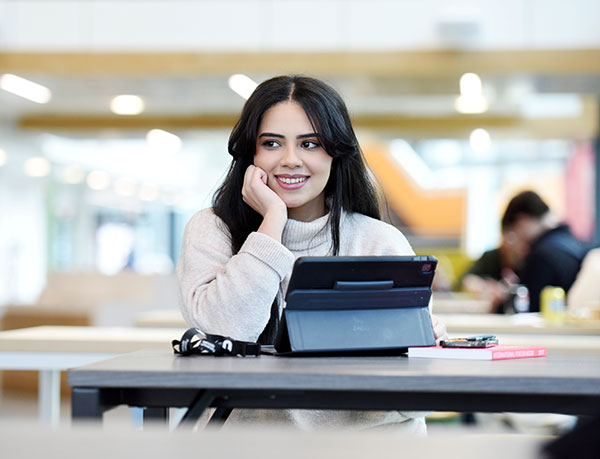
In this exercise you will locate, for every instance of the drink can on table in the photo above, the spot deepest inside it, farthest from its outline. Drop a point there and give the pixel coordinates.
(552, 302)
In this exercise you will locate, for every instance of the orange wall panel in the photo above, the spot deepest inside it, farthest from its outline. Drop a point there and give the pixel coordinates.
(426, 212)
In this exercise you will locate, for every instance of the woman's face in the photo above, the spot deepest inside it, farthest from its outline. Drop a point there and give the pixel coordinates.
(290, 152)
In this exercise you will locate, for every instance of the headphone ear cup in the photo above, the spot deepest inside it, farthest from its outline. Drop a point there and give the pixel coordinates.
(195, 341)
(190, 341)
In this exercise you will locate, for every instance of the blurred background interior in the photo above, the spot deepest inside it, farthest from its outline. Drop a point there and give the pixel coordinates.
(115, 115)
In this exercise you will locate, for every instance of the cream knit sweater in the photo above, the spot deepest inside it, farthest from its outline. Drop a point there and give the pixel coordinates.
(231, 295)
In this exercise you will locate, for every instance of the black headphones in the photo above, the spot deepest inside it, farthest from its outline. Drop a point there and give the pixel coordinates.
(195, 342)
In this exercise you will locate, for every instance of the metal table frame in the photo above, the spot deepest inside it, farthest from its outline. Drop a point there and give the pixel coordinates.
(91, 403)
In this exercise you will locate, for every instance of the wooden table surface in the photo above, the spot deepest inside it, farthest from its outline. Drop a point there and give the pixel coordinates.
(517, 323)
(121, 340)
(160, 318)
(556, 344)
(51, 349)
(88, 339)
(459, 302)
(470, 323)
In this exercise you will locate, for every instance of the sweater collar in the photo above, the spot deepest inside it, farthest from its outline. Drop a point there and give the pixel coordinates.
(298, 235)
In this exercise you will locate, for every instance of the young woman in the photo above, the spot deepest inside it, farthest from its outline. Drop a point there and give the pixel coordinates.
(297, 186)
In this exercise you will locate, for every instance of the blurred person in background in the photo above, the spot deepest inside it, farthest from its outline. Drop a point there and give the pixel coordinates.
(552, 255)
(495, 274)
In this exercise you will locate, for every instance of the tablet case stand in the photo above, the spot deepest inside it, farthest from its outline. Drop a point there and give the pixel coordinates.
(355, 317)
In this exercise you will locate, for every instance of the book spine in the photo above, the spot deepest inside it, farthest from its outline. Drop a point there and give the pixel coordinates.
(518, 354)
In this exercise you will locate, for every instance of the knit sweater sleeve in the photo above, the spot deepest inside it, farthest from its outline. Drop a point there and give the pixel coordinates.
(228, 294)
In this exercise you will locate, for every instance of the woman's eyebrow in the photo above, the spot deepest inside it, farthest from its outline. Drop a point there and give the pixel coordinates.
(279, 136)
(270, 134)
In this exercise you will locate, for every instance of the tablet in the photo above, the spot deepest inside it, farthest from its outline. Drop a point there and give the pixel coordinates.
(324, 272)
(357, 305)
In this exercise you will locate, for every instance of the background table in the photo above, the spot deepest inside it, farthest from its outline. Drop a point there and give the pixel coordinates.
(555, 344)
(518, 323)
(459, 302)
(456, 323)
(160, 318)
(157, 379)
(51, 349)
(523, 329)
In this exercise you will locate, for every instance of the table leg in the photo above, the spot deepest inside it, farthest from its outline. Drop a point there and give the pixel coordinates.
(90, 403)
(49, 397)
(219, 416)
(202, 401)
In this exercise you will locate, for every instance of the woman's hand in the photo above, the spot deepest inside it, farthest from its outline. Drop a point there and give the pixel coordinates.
(439, 329)
(257, 194)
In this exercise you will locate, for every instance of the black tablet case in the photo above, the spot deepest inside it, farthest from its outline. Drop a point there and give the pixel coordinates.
(357, 305)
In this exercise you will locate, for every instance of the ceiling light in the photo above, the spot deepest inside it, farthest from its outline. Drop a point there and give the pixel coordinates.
(25, 88)
(480, 140)
(127, 104)
(470, 85)
(72, 175)
(242, 85)
(98, 180)
(3, 157)
(37, 167)
(471, 98)
(163, 141)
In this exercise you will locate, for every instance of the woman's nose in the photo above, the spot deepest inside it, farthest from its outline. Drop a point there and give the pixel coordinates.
(290, 157)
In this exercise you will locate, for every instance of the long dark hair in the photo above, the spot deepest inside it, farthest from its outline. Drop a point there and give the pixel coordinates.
(349, 187)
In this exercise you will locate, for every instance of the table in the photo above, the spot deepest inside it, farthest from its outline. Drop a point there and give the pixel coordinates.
(518, 323)
(160, 318)
(158, 380)
(459, 302)
(556, 344)
(456, 323)
(523, 329)
(51, 349)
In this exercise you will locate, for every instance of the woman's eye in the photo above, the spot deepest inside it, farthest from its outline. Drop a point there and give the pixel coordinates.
(270, 143)
(309, 144)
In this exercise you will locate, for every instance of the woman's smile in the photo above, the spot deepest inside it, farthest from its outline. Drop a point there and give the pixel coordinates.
(291, 182)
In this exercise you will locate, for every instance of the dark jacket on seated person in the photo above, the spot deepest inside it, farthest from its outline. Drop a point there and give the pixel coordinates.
(554, 260)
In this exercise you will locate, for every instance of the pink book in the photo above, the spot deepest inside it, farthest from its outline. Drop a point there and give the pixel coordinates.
(488, 353)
